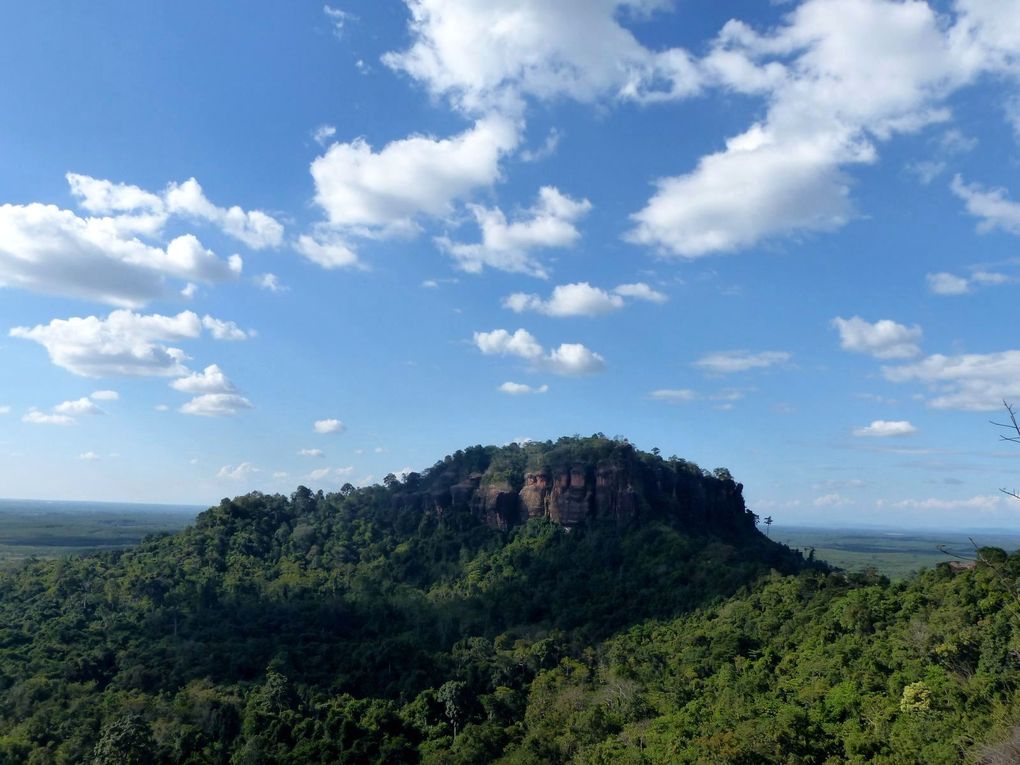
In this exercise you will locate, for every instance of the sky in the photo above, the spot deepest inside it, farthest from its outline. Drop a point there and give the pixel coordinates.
(251, 246)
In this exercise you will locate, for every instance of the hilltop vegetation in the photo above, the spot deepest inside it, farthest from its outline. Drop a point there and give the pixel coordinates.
(629, 611)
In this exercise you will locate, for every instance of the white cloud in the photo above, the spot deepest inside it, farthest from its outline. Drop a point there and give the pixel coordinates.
(885, 429)
(510, 246)
(53, 251)
(830, 500)
(992, 207)
(573, 359)
(950, 284)
(338, 19)
(269, 282)
(640, 291)
(971, 382)
(569, 359)
(728, 362)
(162, 408)
(327, 248)
(386, 191)
(947, 284)
(123, 344)
(986, 502)
(5, 409)
(546, 150)
(105, 395)
(210, 380)
(311, 453)
(885, 339)
(216, 405)
(224, 330)
(332, 475)
(241, 472)
(580, 299)
(539, 49)
(78, 407)
(520, 389)
(330, 425)
(500, 342)
(838, 76)
(36, 417)
(674, 395)
(101, 196)
(323, 133)
(89, 457)
(254, 227)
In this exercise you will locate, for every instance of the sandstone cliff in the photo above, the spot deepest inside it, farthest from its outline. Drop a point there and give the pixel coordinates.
(623, 486)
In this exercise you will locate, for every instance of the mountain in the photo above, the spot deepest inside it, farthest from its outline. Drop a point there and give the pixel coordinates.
(570, 601)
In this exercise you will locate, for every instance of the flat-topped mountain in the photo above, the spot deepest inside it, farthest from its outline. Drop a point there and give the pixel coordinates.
(368, 624)
(577, 480)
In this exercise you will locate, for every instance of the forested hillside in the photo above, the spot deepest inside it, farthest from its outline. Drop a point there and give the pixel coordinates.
(578, 601)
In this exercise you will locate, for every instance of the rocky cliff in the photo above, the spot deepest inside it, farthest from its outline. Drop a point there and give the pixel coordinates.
(618, 484)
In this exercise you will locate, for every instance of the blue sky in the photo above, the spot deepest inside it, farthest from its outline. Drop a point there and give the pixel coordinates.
(252, 246)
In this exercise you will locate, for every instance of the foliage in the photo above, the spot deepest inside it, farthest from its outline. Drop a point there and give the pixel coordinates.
(377, 626)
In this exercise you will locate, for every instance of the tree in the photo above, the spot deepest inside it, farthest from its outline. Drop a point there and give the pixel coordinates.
(125, 741)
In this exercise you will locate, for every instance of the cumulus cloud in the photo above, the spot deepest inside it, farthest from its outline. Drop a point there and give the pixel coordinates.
(981, 502)
(78, 407)
(270, 282)
(216, 405)
(947, 284)
(729, 362)
(123, 344)
(885, 429)
(581, 299)
(241, 472)
(53, 251)
(971, 382)
(830, 500)
(640, 291)
(943, 283)
(884, 339)
(209, 380)
(214, 394)
(327, 248)
(569, 359)
(511, 245)
(520, 389)
(35, 417)
(386, 190)
(224, 330)
(992, 207)
(117, 253)
(839, 76)
(580, 50)
(254, 227)
(329, 425)
(332, 475)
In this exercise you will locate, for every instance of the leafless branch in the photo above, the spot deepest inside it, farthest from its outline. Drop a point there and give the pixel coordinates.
(1012, 426)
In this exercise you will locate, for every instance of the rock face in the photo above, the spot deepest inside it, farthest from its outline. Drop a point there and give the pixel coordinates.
(623, 489)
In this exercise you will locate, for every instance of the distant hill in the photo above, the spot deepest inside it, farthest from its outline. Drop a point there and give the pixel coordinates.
(570, 601)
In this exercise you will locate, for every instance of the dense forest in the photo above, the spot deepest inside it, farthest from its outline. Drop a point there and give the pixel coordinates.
(577, 601)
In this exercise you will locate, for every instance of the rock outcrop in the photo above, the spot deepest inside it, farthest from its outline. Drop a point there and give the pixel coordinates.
(623, 487)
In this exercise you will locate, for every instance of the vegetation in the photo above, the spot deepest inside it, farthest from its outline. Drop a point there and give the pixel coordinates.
(382, 626)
